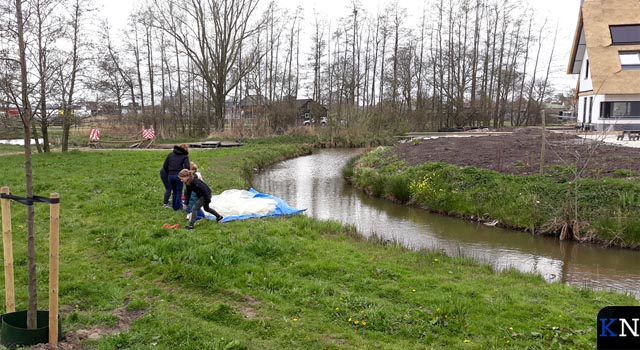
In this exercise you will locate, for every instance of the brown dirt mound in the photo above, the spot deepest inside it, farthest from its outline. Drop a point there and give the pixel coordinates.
(519, 152)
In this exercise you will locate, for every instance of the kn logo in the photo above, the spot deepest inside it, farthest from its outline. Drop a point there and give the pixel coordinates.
(618, 328)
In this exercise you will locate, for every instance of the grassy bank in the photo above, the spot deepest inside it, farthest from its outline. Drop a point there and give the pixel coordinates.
(4, 149)
(603, 210)
(288, 283)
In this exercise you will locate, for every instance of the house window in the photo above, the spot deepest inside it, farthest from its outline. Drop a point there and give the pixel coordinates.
(584, 110)
(625, 34)
(629, 60)
(620, 109)
(586, 70)
(590, 108)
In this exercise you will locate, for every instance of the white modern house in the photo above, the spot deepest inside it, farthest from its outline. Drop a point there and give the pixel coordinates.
(606, 55)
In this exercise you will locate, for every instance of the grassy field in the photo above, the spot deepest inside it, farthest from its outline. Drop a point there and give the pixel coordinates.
(4, 149)
(286, 283)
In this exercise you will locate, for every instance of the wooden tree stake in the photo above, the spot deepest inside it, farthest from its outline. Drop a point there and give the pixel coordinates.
(7, 241)
(54, 263)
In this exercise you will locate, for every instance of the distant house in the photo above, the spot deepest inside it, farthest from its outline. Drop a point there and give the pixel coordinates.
(555, 110)
(606, 54)
(310, 110)
(284, 112)
(252, 106)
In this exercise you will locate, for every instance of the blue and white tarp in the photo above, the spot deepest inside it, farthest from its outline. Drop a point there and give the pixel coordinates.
(241, 204)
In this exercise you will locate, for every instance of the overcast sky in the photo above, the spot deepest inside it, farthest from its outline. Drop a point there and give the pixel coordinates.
(564, 13)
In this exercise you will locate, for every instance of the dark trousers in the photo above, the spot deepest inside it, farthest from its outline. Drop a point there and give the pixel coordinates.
(201, 203)
(176, 192)
(167, 186)
(191, 202)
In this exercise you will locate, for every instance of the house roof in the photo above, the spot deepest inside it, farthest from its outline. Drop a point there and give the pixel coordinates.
(593, 36)
(253, 100)
(300, 103)
(578, 48)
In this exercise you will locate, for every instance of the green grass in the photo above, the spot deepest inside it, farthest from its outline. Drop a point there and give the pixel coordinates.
(6, 149)
(605, 210)
(288, 283)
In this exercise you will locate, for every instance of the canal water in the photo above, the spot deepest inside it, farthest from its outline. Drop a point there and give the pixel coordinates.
(315, 182)
(19, 142)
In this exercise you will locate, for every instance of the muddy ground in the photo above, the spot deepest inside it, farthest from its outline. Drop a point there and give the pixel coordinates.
(519, 152)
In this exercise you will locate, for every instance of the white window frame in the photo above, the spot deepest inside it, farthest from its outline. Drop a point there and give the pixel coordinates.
(629, 60)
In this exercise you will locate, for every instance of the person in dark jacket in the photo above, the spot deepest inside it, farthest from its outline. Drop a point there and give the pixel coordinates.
(176, 161)
(203, 192)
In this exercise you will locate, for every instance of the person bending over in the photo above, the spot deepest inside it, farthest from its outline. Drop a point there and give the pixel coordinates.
(194, 197)
(203, 192)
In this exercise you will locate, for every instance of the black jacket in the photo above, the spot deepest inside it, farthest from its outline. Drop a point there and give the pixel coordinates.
(200, 188)
(176, 161)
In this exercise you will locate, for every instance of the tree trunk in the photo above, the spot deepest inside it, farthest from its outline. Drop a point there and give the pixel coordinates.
(524, 75)
(180, 93)
(396, 43)
(43, 70)
(546, 77)
(136, 52)
(474, 60)
(533, 79)
(26, 116)
(67, 118)
(150, 69)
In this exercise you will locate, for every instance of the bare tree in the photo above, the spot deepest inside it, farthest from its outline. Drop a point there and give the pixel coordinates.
(218, 30)
(319, 45)
(405, 77)
(113, 81)
(376, 49)
(518, 113)
(146, 19)
(530, 93)
(383, 22)
(366, 74)
(132, 43)
(546, 76)
(420, 66)
(273, 32)
(115, 78)
(354, 67)
(70, 69)
(294, 46)
(180, 93)
(165, 76)
(47, 29)
(398, 19)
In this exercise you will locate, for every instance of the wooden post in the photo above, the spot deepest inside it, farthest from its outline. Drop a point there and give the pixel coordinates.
(7, 242)
(54, 263)
(544, 141)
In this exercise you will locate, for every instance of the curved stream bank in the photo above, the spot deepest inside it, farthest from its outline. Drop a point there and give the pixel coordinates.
(315, 182)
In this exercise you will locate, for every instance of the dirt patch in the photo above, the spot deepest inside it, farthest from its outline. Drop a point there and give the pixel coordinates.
(73, 340)
(248, 308)
(519, 152)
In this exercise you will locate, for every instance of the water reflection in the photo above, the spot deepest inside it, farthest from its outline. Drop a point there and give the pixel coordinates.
(315, 182)
(19, 142)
